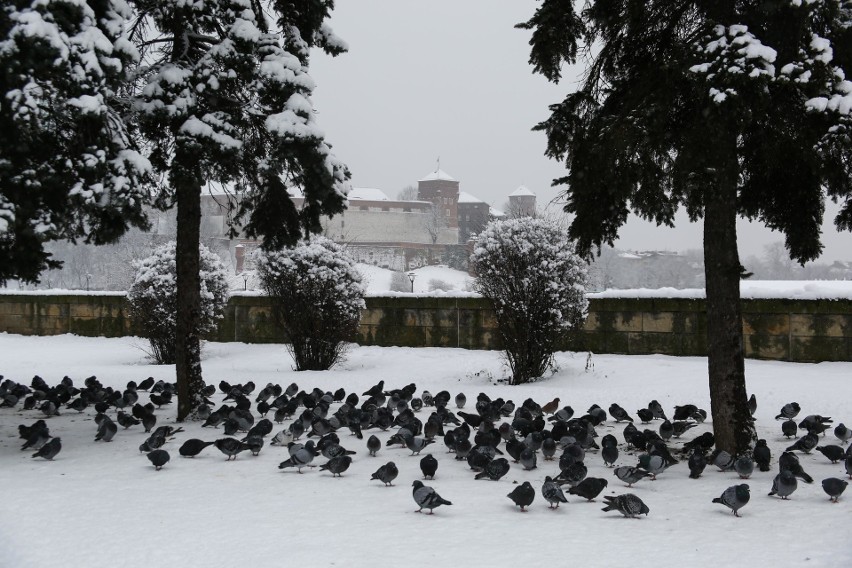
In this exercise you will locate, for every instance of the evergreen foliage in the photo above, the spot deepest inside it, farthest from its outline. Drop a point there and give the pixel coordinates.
(153, 298)
(722, 107)
(318, 297)
(69, 166)
(535, 281)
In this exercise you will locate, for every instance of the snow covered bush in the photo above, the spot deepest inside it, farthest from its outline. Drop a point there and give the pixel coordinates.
(153, 298)
(536, 283)
(317, 298)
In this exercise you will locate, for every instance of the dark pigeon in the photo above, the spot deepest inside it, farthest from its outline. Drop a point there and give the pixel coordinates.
(193, 447)
(589, 488)
(789, 410)
(494, 470)
(762, 455)
(49, 450)
(428, 466)
(834, 487)
(337, 465)
(628, 505)
(386, 474)
(522, 495)
(158, 458)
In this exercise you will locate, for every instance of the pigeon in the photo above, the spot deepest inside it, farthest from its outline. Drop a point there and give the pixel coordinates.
(752, 407)
(619, 413)
(789, 410)
(573, 474)
(653, 464)
(337, 465)
(49, 450)
(528, 459)
(784, 484)
(428, 466)
(790, 462)
(848, 465)
(426, 497)
(842, 433)
(127, 420)
(494, 470)
(461, 400)
(744, 466)
(230, 447)
(609, 455)
(734, 497)
(589, 488)
(723, 460)
(816, 424)
(158, 458)
(657, 410)
(804, 444)
(630, 475)
(106, 431)
(628, 505)
(552, 493)
(762, 455)
(551, 406)
(193, 447)
(684, 412)
(416, 444)
(666, 430)
(834, 487)
(522, 495)
(373, 445)
(37, 439)
(681, 426)
(548, 448)
(789, 428)
(645, 415)
(386, 474)
(832, 452)
(704, 442)
(697, 462)
(301, 457)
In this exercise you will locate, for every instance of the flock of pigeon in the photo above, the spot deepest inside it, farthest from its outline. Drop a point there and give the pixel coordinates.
(481, 438)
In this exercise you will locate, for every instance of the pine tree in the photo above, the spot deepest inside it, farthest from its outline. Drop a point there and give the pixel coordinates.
(224, 98)
(68, 166)
(723, 107)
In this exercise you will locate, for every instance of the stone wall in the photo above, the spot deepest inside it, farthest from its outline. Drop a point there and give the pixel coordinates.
(790, 330)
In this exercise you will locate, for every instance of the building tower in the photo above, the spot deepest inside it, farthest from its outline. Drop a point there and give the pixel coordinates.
(441, 189)
(521, 203)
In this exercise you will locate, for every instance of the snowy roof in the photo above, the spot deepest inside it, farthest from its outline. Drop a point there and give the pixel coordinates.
(368, 194)
(522, 190)
(439, 174)
(495, 212)
(465, 197)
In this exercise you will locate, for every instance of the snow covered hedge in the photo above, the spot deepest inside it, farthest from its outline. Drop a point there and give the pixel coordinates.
(153, 298)
(536, 283)
(317, 296)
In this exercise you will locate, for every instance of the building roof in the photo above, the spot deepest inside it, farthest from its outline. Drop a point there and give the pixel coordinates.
(465, 197)
(438, 174)
(495, 212)
(367, 194)
(521, 191)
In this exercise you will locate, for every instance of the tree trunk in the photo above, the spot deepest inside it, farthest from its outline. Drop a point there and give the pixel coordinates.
(186, 180)
(732, 423)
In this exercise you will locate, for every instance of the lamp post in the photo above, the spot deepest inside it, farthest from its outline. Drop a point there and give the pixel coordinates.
(411, 277)
(245, 279)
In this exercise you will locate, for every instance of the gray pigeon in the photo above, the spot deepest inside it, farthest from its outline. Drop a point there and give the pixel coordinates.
(804, 444)
(37, 438)
(416, 444)
(282, 438)
(723, 460)
(788, 411)
(734, 497)
(842, 433)
(630, 475)
(426, 497)
(552, 493)
(522, 495)
(628, 505)
(386, 474)
(158, 458)
(653, 464)
(49, 450)
(784, 484)
(744, 466)
(301, 457)
(337, 465)
(834, 487)
(528, 459)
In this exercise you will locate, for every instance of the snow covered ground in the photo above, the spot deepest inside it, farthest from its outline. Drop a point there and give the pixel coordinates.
(103, 504)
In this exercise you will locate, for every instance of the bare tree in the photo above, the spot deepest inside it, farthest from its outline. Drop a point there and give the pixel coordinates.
(407, 193)
(434, 222)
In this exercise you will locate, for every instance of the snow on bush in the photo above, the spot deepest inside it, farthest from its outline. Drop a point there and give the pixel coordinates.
(317, 298)
(153, 298)
(536, 282)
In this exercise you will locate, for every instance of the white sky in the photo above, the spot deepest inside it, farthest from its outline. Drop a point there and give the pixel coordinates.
(450, 79)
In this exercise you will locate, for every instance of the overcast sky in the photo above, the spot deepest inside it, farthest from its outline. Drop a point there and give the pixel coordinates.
(449, 79)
